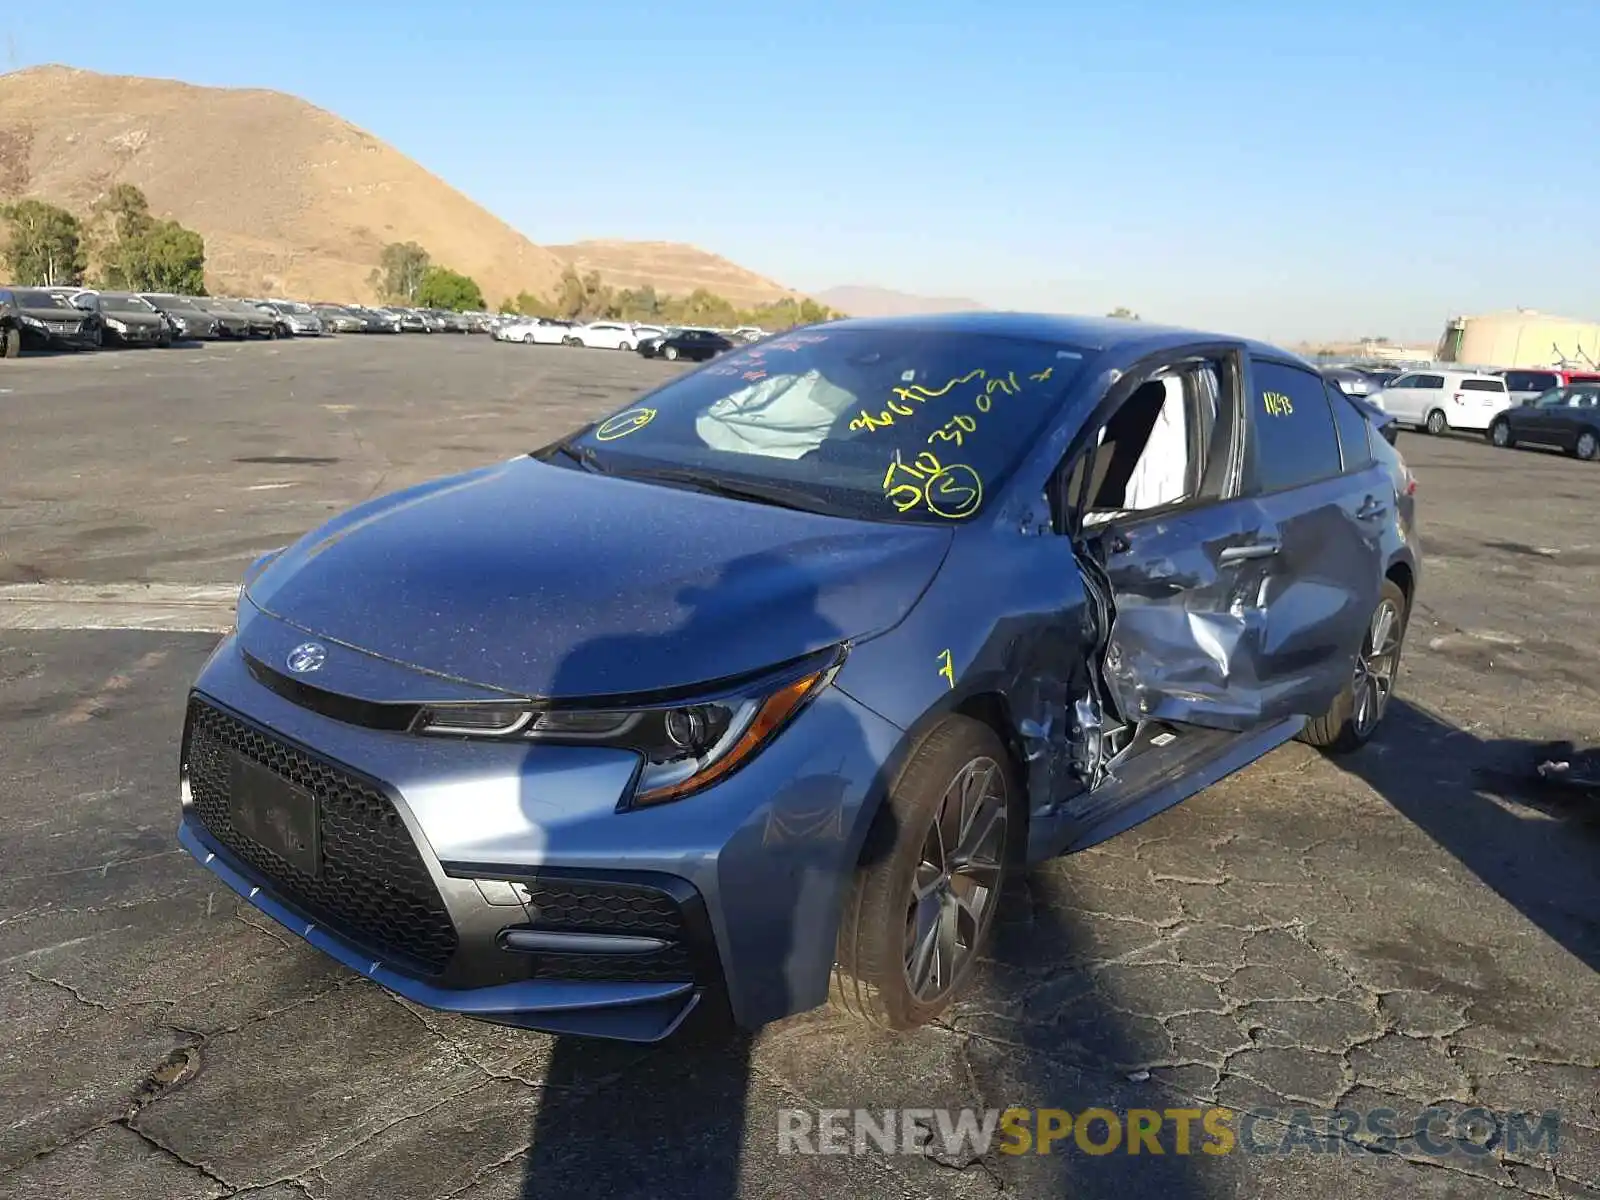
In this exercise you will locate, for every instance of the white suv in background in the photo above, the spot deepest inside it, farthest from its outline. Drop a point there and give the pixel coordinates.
(1442, 400)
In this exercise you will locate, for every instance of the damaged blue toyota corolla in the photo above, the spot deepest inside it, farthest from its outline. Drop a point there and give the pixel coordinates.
(766, 682)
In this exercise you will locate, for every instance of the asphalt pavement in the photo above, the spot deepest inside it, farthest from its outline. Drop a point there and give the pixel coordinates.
(1417, 925)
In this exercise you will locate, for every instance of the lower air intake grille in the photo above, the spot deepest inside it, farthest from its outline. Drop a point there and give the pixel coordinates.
(373, 888)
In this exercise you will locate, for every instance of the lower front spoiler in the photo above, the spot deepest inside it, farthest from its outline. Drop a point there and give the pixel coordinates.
(629, 1012)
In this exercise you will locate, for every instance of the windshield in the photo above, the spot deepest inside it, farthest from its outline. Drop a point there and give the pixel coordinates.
(30, 298)
(125, 304)
(877, 423)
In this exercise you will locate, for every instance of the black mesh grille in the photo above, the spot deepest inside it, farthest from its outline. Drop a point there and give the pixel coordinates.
(671, 965)
(605, 908)
(374, 886)
(576, 906)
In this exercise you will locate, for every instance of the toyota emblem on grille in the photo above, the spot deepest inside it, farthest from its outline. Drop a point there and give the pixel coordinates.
(307, 656)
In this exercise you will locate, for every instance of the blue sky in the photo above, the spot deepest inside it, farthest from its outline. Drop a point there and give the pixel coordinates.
(1282, 170)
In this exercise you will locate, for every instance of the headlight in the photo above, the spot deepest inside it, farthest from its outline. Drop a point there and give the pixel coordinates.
(118, 326)
(34, 321)
(684, 748)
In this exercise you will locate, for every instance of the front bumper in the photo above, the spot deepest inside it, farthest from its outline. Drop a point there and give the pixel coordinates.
(731, 896)
(56, 339)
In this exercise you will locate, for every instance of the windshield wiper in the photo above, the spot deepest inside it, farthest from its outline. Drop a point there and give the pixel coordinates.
(583, 457)
(759, 493)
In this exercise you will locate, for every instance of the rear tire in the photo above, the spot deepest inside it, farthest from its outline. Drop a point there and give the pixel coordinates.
(1587, 446)
(1357, 711)
(11, 344)
(1436, 422)
(527, 339)
(1499, 434)
(623, 346)
(919, 910)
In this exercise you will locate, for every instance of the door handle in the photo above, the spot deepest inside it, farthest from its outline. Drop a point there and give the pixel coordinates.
(1371, 509)
(1250, 550)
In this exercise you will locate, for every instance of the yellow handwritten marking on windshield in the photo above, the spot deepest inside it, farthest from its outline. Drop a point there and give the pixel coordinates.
(947, 667)
(1042, 375)
(955, 492)
(918, 392)
(624, 423)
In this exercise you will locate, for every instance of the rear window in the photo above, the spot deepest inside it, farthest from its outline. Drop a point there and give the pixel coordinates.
(1531, 381)
(1483, 385)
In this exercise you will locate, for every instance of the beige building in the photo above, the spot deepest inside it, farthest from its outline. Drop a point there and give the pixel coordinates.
(1522, 338)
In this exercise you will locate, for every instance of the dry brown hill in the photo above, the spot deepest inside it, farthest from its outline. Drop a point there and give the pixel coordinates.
(291, 200)
(672, 268)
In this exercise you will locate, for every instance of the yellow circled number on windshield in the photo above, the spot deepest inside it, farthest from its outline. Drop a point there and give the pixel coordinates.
(624, 423)
(954, 493)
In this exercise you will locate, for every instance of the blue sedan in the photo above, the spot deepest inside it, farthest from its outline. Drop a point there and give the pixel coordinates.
(756, 691)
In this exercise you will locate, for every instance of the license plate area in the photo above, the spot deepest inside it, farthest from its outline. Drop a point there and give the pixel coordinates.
(276, 815)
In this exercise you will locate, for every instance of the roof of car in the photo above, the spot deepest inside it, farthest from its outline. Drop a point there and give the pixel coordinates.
(1132, 337)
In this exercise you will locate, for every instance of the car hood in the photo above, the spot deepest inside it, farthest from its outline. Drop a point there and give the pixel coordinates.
(53, 314)
(545, 581)
(135, 318)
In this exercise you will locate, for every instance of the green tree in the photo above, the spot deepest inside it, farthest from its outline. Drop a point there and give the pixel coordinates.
(165, 258)
(402, 267)
(443, 288)
(45, 246)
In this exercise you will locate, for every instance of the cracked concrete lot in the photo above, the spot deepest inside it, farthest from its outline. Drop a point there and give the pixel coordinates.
(1414, 926)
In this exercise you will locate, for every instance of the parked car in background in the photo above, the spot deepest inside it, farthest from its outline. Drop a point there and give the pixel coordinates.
(540, 331)
(378, 320)
(258, 323)
(794, 733)
(696, 345)
(1443, 400)
(1383, 376)
(47, 320)
(1567, 418)
(1352, 381)
(410, 320)
(126, 319)
(480, 322)
(190, 321)
(1527, 384)
(447, 321)
(609, 335)
(336, 318)
(231, 324)
(10, 324)
(749, 333)
(293, 318)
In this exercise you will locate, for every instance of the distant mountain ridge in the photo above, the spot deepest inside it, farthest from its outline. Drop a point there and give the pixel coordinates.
(861, 300)
(293, 200)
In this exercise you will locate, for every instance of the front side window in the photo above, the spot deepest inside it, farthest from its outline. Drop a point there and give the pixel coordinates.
(887, 424)
(1294, 438)
(1431, 382)
(1531, 381)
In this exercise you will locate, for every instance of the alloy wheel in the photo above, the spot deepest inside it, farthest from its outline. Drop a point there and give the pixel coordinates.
(953, 891)
(1436, 423)
(1587, 445)
(1376, 666)
(1500, 434)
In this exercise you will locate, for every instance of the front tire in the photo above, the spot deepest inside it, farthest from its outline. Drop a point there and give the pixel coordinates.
(1436, 422)
(1354, 716)
(11, 344)
(670, 354)
(1587, 446)
(1500, 435)
(920, 908)
(527, 339)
